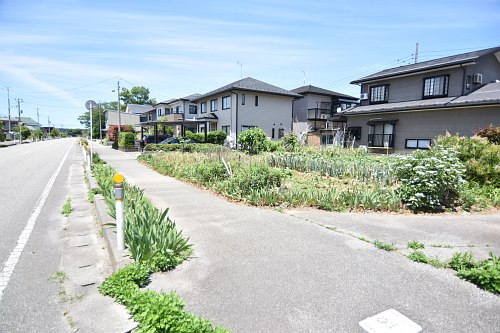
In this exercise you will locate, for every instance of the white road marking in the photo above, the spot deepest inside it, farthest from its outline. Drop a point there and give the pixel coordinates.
(10, 264)
(390, 321)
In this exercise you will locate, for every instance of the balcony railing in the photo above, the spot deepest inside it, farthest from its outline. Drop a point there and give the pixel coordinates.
(319, 113)
(381, 140)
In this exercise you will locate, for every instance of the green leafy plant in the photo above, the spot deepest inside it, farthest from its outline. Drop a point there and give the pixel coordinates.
(418, 256)
(385, 246)
(485, 274)
(491, 133)
(126, 140)
(415, 245)
(461, 261)
(67, 209)
(430, 179)
(253, 140)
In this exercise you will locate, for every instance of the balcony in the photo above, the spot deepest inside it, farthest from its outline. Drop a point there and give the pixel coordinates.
(173, 117)
(381, 140)
(319, 114)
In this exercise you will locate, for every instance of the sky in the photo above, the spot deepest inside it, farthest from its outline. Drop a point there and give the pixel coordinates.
(56, 55)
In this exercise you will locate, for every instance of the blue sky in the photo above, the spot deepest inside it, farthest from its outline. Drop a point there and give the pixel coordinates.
(55, 55)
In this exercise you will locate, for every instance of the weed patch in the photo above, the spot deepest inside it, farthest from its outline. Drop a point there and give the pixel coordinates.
(385, 246)
(67, 209)
(415, 245)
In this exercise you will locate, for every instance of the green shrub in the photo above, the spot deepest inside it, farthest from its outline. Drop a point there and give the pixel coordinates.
(126, 140)
(290, 142)
(461, 261)
(482, 159)
(208, 172)
(253, 140)
(430, 179)
(216, 137)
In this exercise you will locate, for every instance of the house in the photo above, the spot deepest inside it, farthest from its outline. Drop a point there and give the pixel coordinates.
(404, 108)
(176, 111)
(131, 116)
(244, 104)
(31, 124)
(25, 121)
(315, 115)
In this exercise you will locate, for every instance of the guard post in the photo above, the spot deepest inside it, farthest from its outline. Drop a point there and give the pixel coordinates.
(88, 157)
(119, 194)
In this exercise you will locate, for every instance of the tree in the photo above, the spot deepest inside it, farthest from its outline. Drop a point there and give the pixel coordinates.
(2, 136)
(99, 111)
(37, 134)
(136, 95)
(25, 132)
(55, 133)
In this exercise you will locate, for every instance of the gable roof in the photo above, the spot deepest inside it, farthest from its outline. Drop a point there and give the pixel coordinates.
(138, 108)
(250, 84)
(453, 60)
(320, 91)
(188, 98)
(30, 122)
(487, 95)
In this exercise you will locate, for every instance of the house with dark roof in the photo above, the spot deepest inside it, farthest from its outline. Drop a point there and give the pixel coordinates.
(404, 108)
(315, 115)
(176, 110)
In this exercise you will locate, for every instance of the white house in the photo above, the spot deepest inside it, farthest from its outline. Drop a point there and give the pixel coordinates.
(244, 104)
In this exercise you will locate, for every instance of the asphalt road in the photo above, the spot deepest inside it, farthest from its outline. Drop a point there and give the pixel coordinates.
(29, 302)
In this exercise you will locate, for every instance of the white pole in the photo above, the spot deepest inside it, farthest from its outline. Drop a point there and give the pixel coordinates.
(91, 150)
(120, 237)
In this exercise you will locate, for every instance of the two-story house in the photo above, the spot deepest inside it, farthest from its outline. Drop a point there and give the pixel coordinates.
(244, 104)
(404, 108)
(315, 114)
(178, 111)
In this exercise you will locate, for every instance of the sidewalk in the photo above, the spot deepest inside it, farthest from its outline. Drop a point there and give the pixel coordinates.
(259, 270)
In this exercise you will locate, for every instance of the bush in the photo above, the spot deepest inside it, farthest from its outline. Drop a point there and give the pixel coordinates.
(491, 133)
(126, 140)
(216, 137)
(113, 131)
(481, 158)
(253, 140)
(290, 142)
(430, 179)
(256, 177)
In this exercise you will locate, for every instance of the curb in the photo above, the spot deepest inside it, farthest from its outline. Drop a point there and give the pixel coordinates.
(118, 259)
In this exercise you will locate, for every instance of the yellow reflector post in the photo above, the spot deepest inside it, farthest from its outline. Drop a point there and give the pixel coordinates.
(118, 178)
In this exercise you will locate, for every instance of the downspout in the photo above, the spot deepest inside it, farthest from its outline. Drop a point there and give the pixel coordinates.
(463, 79)
(236, 124)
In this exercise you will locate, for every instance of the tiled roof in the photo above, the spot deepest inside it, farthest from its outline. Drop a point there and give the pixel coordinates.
(489, 94)
(191, 97)
(320, 91)
(138, 108)
(427, 65)
(251, 84)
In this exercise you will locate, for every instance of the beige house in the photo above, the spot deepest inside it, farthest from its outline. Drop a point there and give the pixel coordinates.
(404, 108)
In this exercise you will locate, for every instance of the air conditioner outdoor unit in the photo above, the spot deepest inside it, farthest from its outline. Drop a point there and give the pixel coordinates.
(364, 96)
(478, 78)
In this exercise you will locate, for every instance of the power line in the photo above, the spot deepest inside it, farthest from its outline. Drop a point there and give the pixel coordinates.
(70, 89)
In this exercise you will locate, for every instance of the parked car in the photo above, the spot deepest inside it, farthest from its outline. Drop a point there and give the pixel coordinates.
(151, 139)
(178, 140)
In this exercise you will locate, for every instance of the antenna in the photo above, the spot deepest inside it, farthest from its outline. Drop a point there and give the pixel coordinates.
(240, 65)
(416, 53)
(303, 77)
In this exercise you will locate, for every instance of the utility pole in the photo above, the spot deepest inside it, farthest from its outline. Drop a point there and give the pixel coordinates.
(8, 101)
(119, 116)
(100, 126)
(37, 117)
(19, 122)
(48, 120)
(416, 53)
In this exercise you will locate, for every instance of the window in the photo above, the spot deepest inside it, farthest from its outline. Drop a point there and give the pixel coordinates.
(418, 143)
(381, 135)
(193, 109)
(226, 102)
(159, 112)
(203, 107)
(246, 127)
(226, 129)
(178, 109)
(379, 94)
(354, 132)
(272, 133)
(436, 86)
(468, 82)
(213, 105)
(242, 99)
(256, 100)
(281, 133)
